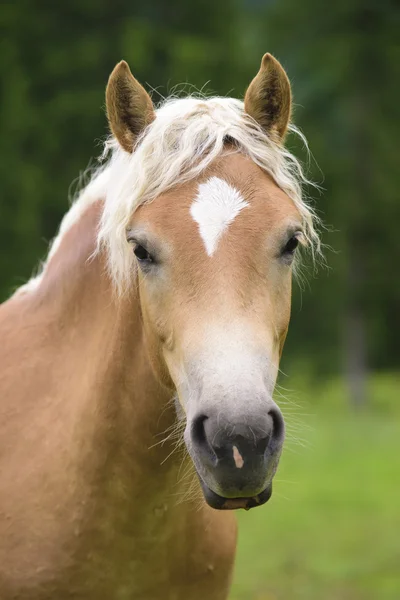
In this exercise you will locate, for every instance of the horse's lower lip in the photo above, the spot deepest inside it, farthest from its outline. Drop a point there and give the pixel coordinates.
(222, 503)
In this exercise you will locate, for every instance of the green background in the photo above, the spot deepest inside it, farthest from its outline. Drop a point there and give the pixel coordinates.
(331, 530)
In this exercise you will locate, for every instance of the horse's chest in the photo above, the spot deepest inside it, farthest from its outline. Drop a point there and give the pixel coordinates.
(117, 546)
(166, 555)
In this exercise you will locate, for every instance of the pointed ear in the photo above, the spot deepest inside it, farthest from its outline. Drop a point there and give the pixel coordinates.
(129, 107)
(268, 98)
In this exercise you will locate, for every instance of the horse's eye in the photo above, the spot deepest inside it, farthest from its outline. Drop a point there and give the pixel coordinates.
(142, 255)
(291, 246)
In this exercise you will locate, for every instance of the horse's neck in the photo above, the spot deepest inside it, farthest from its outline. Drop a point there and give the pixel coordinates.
(85, 469)
(92, 363)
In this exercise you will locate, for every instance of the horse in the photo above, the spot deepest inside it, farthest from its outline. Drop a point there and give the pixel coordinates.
(138, 367)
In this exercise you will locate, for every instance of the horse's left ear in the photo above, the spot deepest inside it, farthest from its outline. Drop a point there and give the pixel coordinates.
(269, 99)
(129, 107)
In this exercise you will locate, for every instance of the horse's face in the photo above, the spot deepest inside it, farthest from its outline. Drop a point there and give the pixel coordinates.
(214, 265)
(215, 261)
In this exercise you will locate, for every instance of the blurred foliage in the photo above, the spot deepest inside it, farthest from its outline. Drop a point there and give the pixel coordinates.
(341, 58)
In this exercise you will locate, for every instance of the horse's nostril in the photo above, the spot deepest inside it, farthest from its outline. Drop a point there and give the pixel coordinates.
(278, 426)
(198, 433)
(263, 441)
(199, 438)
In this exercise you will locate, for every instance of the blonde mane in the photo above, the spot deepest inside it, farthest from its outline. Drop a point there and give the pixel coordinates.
(187, 135)
(185, 138)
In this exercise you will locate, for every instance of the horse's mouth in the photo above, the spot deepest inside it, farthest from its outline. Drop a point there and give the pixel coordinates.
(222, 503)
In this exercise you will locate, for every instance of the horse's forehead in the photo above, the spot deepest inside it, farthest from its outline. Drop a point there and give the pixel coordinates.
(206, 208)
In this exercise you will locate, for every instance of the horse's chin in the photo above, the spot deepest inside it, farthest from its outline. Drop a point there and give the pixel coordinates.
(221, 503)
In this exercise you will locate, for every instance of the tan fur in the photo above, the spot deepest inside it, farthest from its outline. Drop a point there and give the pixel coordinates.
(129, 107)
(87, 510)
(268, 98)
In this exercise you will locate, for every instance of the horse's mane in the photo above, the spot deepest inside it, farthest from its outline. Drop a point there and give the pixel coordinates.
(187, 135)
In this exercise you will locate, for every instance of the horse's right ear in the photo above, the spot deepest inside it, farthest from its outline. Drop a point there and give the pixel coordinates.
(129, 107)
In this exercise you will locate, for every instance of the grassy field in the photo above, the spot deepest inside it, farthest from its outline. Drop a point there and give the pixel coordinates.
(332, 528)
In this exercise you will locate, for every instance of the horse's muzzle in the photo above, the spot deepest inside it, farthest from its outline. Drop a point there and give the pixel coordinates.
(235, 461)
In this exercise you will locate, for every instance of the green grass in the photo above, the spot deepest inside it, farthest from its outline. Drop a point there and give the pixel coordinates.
(331, 530)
